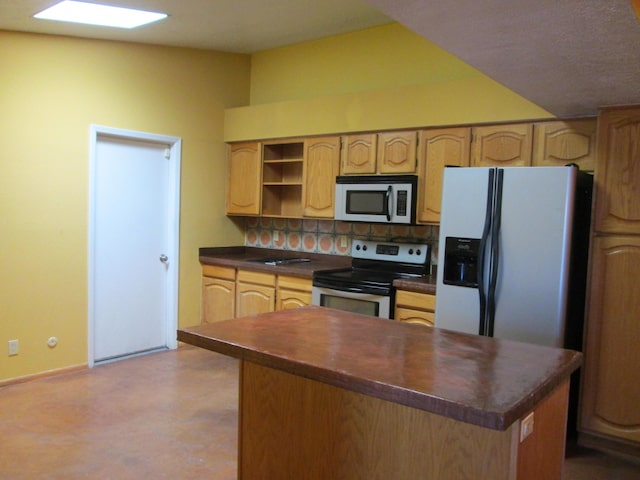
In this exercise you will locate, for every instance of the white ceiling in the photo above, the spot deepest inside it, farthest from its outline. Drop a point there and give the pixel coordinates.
(567, 56)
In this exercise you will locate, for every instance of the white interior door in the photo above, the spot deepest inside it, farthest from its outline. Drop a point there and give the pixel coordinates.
(134, 256)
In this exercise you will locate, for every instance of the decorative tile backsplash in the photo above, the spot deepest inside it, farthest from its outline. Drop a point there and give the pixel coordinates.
(329, 236)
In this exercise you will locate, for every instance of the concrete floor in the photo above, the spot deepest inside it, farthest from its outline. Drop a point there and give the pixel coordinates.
(166, 415)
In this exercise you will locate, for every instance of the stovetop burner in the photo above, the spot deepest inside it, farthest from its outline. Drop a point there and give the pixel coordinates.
(375, 265)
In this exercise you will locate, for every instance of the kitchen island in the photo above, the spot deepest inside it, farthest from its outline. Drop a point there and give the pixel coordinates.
(327, 394)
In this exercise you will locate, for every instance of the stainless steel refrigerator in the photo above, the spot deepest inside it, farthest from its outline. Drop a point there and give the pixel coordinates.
(513, 252)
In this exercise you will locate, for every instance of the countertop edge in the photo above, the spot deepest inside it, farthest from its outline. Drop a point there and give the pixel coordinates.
(493, 420)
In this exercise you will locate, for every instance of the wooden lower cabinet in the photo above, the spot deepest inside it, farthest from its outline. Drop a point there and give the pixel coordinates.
(415, 307)
(610, 406)
(292, 292)
(218, 293)
(226, 295)
(255, 293)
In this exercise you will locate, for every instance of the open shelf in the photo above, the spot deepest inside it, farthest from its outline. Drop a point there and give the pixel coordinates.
(282, 178)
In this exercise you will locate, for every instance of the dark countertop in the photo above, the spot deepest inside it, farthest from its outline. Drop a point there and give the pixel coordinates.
(478, 380)
(240, 257)
(425, 284)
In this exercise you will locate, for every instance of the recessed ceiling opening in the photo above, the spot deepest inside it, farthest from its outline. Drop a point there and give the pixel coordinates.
(96, 14)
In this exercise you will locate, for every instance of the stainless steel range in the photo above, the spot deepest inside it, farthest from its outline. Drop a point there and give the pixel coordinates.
(367, 287)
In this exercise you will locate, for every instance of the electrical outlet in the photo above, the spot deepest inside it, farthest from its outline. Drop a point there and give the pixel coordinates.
(526, 427)
(343, 241)
(13, 347)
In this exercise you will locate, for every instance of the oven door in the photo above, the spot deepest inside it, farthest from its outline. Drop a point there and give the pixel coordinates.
(364, 303)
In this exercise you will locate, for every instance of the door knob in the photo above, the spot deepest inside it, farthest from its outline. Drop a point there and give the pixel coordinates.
(164, 258)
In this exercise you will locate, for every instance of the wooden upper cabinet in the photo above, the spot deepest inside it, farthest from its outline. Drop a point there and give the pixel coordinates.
(243, 179)
(561, 143)
(438, 149)
(611, 374)
(358, 154)
(322, 165)
(502, 145)
(618, 171)
(397, 152)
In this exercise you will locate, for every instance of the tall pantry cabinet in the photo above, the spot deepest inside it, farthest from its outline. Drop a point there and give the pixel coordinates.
(610, 402)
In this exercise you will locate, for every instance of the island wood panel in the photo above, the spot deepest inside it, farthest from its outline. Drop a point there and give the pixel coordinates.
(293, 427)
(541, 454)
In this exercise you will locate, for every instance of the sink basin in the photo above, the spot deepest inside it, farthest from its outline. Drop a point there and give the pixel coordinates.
(280, 260)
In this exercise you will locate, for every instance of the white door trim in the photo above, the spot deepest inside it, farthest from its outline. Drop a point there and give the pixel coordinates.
(173, 226)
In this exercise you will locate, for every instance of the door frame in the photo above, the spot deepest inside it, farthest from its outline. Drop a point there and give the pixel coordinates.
(173, 227)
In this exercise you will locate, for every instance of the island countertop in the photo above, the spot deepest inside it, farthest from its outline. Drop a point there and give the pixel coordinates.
(482, 381)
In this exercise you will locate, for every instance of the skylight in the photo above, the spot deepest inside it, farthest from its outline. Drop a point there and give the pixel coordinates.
(96, 14)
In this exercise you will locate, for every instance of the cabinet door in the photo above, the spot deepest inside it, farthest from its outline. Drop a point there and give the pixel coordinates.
(502, 146)
(292, 299)
(322, 165)
(437, 149)
(397, 152)
(359, 154)
(218, 299)
(254, 299)
(255, 293)
(243, 179)
(618, 172)
(560, 143)
(611, 375)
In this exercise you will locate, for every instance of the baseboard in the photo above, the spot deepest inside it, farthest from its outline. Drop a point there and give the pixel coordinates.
(48, 373)
(616, 447)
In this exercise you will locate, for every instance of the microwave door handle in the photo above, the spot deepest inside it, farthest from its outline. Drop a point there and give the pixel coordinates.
(388, 201)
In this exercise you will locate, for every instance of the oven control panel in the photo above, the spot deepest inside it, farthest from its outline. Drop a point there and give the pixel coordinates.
(389, 251)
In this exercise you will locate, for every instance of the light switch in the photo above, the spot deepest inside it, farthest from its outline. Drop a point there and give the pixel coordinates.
(526, 427)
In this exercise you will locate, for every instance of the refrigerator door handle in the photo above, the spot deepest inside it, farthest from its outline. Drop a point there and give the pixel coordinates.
(495, 254)
(484, 240)
(388, 207)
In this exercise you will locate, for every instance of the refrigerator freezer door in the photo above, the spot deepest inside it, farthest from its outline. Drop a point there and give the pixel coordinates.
(531, 292)
(464, 199)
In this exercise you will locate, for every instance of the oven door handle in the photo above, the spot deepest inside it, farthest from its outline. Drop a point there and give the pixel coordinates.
(388, 203)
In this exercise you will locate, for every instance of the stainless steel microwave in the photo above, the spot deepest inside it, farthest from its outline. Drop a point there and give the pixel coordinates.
(376, 198)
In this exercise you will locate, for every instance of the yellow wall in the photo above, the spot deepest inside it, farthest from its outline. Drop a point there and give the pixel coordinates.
(375, 79)
(51, 90)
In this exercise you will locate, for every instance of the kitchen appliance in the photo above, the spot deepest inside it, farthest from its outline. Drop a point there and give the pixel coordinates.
(513, 253)
(367, 287)
(376, 198)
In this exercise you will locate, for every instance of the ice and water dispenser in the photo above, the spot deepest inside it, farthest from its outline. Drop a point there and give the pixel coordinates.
(461, 261)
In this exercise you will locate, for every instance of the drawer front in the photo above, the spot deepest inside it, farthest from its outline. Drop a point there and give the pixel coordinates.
(259, 278)
(422, 301)
(294, 283)
(217, 271)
